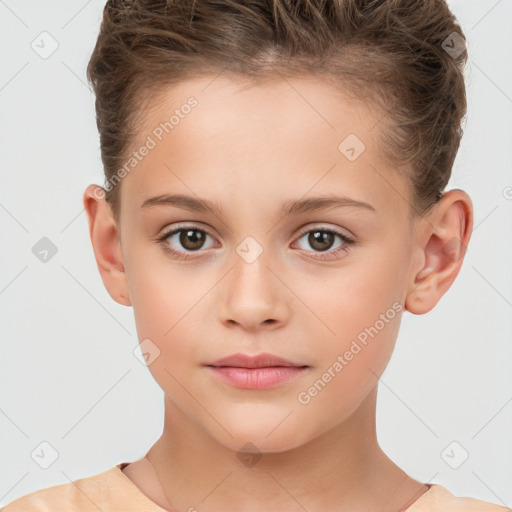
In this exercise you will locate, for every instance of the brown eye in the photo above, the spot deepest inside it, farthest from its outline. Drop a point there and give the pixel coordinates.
(322, 243)
(185, 240)
(321, 240)
(192, 239)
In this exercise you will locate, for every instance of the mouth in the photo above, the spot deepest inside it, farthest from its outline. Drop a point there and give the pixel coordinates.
(263, 371)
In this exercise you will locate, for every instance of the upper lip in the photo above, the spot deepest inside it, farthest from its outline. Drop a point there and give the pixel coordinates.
(257, 361)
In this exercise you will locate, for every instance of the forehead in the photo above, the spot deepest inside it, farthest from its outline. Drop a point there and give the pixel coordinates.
(226, 104)
(216, 136)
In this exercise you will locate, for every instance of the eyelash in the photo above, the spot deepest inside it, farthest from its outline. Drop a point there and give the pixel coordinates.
(347, 242)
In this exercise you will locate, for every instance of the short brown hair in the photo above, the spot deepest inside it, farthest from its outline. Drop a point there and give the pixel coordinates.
(389, 51)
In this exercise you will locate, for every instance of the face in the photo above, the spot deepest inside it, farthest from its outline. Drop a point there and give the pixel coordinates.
(322, 287)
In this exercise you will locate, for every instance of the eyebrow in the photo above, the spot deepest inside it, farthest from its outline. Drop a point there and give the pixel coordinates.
(292, 207)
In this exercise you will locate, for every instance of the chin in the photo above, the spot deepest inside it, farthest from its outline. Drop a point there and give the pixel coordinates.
(260, 436)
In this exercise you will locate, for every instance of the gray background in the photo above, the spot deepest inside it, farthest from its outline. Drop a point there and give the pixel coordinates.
(68, 375)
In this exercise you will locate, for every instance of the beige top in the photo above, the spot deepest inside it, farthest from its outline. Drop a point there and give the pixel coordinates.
(113, 491)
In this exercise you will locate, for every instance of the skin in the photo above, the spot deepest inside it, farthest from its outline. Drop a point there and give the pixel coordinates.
(250, 148)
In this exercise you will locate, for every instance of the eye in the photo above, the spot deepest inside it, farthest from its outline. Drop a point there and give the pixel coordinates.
(322, 239)
(190, 238)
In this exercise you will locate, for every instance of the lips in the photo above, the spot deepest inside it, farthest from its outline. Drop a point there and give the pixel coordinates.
(263, 360)
(259, 372)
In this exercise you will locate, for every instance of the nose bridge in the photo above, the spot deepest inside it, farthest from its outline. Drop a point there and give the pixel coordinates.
(252, 293)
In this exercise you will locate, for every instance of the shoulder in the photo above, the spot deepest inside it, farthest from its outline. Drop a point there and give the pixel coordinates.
(440, 499)
(82, 495)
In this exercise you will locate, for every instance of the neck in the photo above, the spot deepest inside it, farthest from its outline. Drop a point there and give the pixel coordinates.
(343, 469)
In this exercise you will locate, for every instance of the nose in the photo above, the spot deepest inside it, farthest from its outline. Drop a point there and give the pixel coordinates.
(253, 296)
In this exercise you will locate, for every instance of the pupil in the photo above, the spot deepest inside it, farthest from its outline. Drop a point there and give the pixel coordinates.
(191, 241)
(320, 240)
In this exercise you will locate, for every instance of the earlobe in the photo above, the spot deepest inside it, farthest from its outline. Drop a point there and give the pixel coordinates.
(106, 243)
(445, 236)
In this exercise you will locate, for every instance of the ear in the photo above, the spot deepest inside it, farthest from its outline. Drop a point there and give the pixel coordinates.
(443, 238)
(106, 244)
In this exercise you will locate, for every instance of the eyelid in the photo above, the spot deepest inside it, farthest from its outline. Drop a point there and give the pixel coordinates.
(194, 225)
(167, 231)
(324, 227)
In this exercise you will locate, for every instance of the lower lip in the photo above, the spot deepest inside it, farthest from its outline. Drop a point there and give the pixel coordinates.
(256, 378)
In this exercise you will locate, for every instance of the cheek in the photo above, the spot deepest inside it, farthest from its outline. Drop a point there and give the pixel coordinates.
(168, 308)
(358, 313)
(361, 329)
(162, 291)
(165, 320)
(353, 298)
(350, 361)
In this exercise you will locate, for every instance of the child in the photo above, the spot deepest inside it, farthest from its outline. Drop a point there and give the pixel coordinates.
(306, 145)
